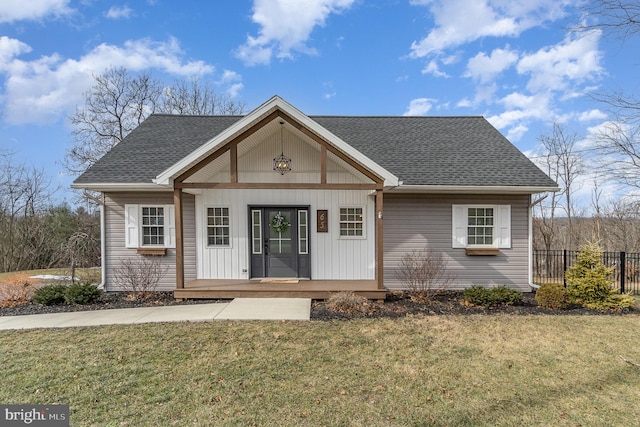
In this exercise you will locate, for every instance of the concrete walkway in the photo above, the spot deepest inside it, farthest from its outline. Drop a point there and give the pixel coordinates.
(238, 309)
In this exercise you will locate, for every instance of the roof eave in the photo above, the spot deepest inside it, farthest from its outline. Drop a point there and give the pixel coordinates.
(119, 186)
(476, 189)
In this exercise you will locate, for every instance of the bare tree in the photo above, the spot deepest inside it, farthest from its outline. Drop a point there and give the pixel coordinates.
(119, 101)
(115, 105)
(564, 165)
(25, 193)
(617, 17)
(139, 276)
(197, 98)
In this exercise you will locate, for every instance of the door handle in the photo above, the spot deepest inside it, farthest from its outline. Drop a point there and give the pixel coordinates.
(266, 246)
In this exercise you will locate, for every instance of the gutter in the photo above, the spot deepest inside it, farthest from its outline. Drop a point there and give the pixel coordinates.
(531, 205)
(103, 245)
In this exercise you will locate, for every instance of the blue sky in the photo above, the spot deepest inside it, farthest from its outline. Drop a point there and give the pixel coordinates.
(515, 62)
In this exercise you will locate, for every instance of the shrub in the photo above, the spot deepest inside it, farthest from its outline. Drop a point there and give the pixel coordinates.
(85, 293)
(552, 295)
(349, 303)
(16, 290)
(139, 276)
(423, 273)
(491, 297)
(589, 283)
(49, 295)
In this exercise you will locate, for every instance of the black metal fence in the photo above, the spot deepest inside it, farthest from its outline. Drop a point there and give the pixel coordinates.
(550, 266)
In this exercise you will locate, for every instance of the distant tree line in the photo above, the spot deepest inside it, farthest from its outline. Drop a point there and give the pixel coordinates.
(35, 233)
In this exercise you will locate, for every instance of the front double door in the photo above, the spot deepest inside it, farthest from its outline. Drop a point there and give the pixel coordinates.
(279, 241)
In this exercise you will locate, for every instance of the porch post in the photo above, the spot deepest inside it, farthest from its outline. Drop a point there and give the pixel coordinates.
(379, 240)
(177, 205)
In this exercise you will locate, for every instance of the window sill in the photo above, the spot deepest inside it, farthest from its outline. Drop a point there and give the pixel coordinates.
(152, 251)
(482, 251)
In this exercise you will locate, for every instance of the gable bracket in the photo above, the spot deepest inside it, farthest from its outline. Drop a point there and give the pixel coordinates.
(372, 176)
(233, 143)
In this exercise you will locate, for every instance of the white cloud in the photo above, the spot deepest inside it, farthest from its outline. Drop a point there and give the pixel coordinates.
(44, 89)
(485, 68)
(19, 10)
(591, 115)
(462, 21)
(516, 132)
(419, 107)
(575, 60)
(520, 109)
(119, 12)
(432, 68)
(10, 48)
(285, 27)
(234, 82)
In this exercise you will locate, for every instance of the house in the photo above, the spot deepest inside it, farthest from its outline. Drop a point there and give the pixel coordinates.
(277, 202)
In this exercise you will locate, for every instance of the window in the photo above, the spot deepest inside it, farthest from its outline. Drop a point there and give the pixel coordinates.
(303, 232)
(256, 231)
(351, 222)
(149, 226)
(218, 229)
(152, 226)
(481, 226)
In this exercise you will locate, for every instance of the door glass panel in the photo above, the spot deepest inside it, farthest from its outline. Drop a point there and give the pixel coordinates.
(303, 240)
(279, 232)
(256, 231)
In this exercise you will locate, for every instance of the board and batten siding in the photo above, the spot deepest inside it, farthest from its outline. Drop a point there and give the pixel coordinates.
(332, 257)
(416, 222)
(115, 249)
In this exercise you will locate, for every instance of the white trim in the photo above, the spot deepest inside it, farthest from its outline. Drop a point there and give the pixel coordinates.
(273, 104)
(306, 226)
(475, 189)
(364, 222)
(133, 226)
(501, 225)
(206, 226)
(103, 245)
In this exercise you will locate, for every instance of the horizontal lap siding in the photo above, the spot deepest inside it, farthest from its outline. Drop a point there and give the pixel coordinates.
(415, 222)
(115, 249)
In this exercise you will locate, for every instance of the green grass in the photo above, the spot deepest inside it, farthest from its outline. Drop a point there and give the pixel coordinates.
(443, 371)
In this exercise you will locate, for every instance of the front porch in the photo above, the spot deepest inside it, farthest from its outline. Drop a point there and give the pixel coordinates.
(315, 289)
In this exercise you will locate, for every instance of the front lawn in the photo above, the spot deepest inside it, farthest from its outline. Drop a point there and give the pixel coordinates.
(436, 370)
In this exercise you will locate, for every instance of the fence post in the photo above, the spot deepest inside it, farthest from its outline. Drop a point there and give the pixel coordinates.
(564, 267)
(623, 270)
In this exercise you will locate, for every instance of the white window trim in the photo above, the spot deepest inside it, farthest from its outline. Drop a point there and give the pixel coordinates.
(306, 239)
(206, 227)
(364, 222)
(133, 226)
(501, 226)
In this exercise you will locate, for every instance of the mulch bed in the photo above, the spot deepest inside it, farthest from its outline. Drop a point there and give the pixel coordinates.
(395, 306)
(446, 303)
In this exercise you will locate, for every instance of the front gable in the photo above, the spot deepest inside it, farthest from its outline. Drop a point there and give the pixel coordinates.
(242, 156)
(255, 156)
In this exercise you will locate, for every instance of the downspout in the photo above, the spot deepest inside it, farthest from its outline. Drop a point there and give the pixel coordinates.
(103, 245)
(531, 205)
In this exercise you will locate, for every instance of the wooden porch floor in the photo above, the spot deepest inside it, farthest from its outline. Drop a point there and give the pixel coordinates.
(315, 289)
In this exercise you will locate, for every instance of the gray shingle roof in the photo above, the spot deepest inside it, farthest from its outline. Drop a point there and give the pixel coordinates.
(464, 151)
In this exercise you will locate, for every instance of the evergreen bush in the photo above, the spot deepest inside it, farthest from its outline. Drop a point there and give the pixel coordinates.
(49, 295)
(491, 297)
(553, 296)
(589, 282)
(85, 293)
